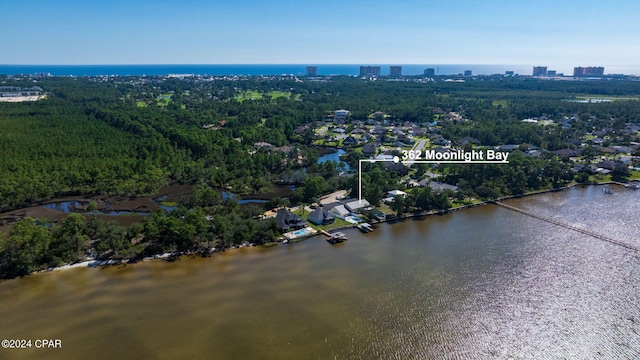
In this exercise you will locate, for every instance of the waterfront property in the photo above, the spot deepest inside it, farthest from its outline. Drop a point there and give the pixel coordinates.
(479, 283)
(357, 205)
(321, 216)
(288, 221)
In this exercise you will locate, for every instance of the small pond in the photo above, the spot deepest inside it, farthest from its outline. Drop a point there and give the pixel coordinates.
(335, 157)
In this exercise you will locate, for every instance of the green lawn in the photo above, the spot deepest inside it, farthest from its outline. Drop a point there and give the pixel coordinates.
(163, 100)
(255, 95)
(338, 223)
(635, 175)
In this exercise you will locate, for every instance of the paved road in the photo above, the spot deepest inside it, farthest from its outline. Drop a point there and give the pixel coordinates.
(422, 144)
(332, 197)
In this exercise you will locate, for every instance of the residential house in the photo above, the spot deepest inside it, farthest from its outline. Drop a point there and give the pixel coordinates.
(321, 216)
(350, 141)
(392, 194)
(398, 168)
(300, 129)
(439, 187)
(566, 153)
(263, 145)
(606, 164)
(370, 149)
(510, 147)
(442, 142)
(357, 205)
(338, 209)
(288, 221)
(341, 113)
(378, 130)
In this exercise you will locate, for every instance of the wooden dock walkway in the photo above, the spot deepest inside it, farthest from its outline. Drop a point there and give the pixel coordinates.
(570, 227)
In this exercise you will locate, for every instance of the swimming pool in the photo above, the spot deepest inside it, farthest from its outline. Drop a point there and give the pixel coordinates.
(304, 232)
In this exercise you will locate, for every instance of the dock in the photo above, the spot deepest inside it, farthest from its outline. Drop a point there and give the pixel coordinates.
(570, 227)
(336, 237)
(365, 227)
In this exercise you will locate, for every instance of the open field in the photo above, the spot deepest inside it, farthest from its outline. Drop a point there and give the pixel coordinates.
(255, 95)
(21, 98)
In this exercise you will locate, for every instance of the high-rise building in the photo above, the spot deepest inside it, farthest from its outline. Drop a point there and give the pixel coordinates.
(312, 71)
(429, 72)
(551, 73)
(588, 71)
(395, 71)
(370, 71)
(509, 73)
(468, 73)
(539, 71)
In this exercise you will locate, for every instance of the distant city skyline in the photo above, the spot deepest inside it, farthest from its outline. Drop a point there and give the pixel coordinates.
(557, 34)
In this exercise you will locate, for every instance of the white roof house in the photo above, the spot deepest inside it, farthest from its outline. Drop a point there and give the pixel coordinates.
(356, 205)
(340, 211)
(395, 193)
(392, 194)
(341, 113)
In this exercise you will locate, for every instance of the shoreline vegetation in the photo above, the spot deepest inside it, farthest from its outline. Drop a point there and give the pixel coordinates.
(172, 256)
(110, 146)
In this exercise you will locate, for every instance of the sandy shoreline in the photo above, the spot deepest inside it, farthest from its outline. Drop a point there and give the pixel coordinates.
(165, 256)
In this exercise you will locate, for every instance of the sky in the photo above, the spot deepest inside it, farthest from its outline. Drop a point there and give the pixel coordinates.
(559, 33)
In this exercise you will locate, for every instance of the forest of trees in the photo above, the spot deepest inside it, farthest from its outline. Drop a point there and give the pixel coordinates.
(95, 136)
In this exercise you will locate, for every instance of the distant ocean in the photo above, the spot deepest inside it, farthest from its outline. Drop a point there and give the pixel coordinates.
(124, 70)
(272, 69)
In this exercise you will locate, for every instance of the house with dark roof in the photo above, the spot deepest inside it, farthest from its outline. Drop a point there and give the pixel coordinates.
(566, 153)
(349, 141)
(321, 216)
(438, 187)
(606, 164)
(288, 221)
(509, 147)
(398, 168)
(369, 149)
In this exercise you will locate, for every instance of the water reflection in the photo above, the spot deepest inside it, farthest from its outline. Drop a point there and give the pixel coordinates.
(482, 283)
(68, 207)
(335, 157)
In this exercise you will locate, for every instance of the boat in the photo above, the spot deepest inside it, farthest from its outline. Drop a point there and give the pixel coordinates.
(336, 238)
(365, 227)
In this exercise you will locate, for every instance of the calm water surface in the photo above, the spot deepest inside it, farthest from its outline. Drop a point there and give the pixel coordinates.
(481, 283)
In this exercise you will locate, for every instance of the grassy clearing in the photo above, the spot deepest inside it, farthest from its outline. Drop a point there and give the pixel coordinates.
(255, 95)
(502, 103)
(163, 100)
(606, 97)
(635, 175)
(141, 104)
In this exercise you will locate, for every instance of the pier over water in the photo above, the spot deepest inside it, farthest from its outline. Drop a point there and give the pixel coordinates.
(570, 227)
